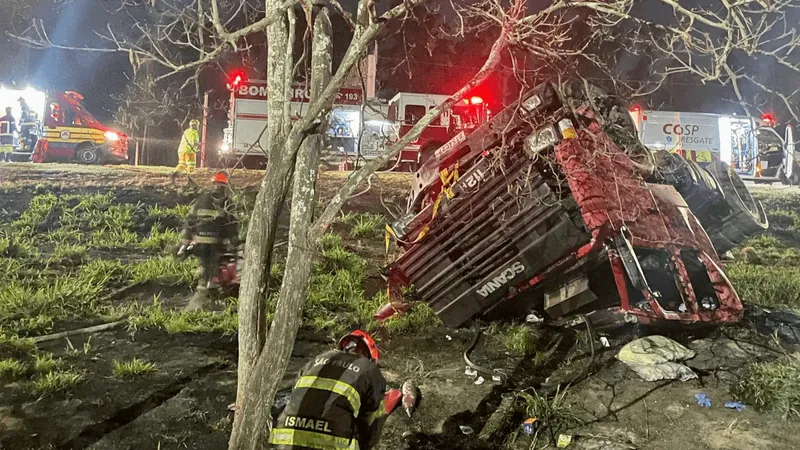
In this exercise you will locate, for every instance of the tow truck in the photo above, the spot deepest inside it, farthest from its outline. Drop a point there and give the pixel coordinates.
(753, 147)
(555, 209)
(56, 127)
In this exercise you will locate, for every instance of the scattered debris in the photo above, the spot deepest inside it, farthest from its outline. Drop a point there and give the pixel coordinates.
(651, 358)
(604, 342)
(564, 440)
(529, 426)
(410, 394)
(448, 337)
(479, 381)
(391, 400)
(470, 372)
(737, 405)
(466, 429)
(703, 400)
(497, 378)
(534, 318)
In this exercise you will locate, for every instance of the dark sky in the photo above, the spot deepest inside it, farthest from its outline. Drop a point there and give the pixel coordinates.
(98, 76)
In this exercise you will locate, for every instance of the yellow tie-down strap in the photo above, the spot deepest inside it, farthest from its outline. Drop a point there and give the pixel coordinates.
(448, 179)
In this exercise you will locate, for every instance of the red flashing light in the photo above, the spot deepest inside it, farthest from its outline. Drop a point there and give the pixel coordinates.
(236, 78)
(768, 119)
(476, 100)
(636, 108)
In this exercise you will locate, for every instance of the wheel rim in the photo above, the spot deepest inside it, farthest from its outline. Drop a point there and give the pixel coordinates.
(88, 155)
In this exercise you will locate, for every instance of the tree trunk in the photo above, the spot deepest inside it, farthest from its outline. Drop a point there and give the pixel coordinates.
(257, 390)
(264, 220)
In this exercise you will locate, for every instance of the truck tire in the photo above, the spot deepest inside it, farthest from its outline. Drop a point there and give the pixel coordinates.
(87, 153)
(746, 218)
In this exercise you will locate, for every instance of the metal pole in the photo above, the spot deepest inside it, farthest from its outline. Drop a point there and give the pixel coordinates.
(136, 154)
(145, 155)
(205, 128)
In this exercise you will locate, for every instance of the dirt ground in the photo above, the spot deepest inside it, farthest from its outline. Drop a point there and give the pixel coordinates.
(183, 404)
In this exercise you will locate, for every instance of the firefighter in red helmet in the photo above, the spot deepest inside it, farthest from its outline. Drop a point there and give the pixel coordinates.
(210, 223)
(338, 401)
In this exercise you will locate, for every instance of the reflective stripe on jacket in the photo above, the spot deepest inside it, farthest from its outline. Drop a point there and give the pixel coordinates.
(211, 219)
(334, 405)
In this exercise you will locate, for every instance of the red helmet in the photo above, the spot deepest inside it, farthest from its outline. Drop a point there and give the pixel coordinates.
(360, 337)
(221, 177)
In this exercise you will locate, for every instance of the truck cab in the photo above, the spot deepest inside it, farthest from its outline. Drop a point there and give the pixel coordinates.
(406, 109)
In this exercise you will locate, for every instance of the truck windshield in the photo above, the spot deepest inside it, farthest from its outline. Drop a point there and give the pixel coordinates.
(82, 117)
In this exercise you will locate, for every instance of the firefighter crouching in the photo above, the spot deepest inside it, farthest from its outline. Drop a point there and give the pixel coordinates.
(210, 223)
(338, 401)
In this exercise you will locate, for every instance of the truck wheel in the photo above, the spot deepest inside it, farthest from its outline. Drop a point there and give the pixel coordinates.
(87, 154)
(746, 218)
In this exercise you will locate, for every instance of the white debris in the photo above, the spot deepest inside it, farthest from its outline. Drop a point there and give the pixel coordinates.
(447, 336)
(479, 381)
(497, 378)
(533, 318)
(604, 342)
(466, 429)
(470, 372)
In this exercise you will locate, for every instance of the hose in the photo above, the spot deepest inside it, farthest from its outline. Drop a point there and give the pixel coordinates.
(477, 368)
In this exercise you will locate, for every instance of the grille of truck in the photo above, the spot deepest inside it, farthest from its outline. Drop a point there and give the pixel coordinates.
(493, 237)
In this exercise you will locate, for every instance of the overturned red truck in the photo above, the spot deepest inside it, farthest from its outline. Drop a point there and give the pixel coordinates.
(554, 207)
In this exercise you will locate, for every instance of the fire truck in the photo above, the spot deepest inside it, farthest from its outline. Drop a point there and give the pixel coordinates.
(245, 139)
(58, 128)
(754, 148)
(450, 129)
(359, 128)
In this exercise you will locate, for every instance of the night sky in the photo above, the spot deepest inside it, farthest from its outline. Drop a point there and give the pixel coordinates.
(101, 76)
(98, 76)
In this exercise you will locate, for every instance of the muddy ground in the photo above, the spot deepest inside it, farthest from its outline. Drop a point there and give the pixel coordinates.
(183, 403)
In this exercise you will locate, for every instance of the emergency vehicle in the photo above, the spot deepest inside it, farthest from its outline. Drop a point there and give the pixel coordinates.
(351, 137)
(452, 128)
(754, 148)
(245, 138)
(58, 128)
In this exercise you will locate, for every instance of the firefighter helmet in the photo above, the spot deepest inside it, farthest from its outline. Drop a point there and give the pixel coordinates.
(221, 177)
(362, 342)
(194, 123)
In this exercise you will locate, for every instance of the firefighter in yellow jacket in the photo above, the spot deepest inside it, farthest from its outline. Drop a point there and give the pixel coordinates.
(190, 142)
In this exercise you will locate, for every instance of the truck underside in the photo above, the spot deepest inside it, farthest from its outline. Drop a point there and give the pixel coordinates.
(553, 207)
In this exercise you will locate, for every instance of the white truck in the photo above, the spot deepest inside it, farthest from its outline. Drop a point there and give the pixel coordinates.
(754, 148)
(245, 139)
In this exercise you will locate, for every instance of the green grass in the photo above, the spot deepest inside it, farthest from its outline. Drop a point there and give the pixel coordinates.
(160, 238)
(56, 381)
(552, 413)
(772, 386)
(133, 368)
(12, 369)
(164, 269)
(768, 286)
(518, 339)
(44, 363)
(155, 316)
(367, 226)
(69, 255)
